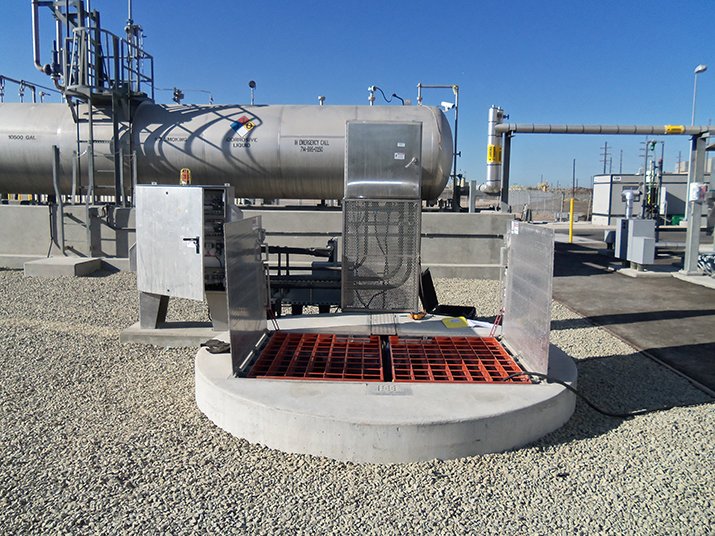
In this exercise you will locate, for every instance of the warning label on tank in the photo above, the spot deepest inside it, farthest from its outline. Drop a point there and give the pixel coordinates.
(493, 154)
(311, 145)
(244, 125)
(240, 143)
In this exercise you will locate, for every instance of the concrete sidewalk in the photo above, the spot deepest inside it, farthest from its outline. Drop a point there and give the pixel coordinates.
(666, 318)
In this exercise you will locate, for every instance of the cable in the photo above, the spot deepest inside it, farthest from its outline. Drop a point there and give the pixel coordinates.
(586, 400)
(383, 94)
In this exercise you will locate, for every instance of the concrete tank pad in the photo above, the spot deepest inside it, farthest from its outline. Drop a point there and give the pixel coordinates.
(379, 422)
(170, 334)
(62, 266)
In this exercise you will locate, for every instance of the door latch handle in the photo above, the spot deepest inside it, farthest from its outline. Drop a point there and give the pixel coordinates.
(196, 242)
(412, 162)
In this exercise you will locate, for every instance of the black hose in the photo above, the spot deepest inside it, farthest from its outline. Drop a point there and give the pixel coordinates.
(593, 406)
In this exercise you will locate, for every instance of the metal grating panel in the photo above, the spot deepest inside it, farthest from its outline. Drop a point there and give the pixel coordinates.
(527, 304)
(452, 360)
(246, 288)
(315, 356)
(381, 261)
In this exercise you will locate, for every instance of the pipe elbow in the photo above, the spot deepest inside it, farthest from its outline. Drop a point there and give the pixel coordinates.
(489, 188)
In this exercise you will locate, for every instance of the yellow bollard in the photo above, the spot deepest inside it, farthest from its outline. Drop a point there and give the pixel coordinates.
(571, 221)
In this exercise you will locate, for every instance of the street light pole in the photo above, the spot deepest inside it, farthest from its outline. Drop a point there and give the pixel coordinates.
(699, 69)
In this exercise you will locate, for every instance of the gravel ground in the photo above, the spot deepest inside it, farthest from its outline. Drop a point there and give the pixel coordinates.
(99, 437)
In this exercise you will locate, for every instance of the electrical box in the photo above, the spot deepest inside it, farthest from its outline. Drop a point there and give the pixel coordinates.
(635, 240)
(381, 216)
(642, 250)
(180, 244)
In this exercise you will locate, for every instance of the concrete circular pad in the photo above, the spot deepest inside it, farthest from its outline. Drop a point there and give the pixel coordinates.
(383, 422)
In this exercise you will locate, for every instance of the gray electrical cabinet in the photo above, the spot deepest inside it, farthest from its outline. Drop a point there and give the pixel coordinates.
(635, 240)
(180, 244)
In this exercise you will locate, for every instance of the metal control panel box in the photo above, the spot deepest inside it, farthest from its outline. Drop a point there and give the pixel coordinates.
(180, 245)
(381, 216)
(635, 240)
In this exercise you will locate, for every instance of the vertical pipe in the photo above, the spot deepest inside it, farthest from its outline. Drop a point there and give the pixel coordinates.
(90, 151)
(118, 192)
(571, 205)
(660, 189)
(506, 168)
(121, 175)
(472, 196)
(90, 200)
(36, 36)
(456, 189)
(695, 174)
(75, 164)
(494, 151)
(60, 219)
(133, 157)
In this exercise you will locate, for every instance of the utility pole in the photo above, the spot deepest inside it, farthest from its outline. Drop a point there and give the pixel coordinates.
(573, 195)
(604, 156)
(620, 165)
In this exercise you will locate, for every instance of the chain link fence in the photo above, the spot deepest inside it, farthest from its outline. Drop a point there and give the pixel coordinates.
(549, 206)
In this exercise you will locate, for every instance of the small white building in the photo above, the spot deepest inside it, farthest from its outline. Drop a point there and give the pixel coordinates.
(608, 205)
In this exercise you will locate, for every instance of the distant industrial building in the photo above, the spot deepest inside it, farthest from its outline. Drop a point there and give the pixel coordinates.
(608, 204)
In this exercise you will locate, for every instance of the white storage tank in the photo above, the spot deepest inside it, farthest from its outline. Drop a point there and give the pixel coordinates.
(293, 152)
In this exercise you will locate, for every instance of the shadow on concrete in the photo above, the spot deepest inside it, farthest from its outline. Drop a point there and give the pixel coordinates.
(696, 361)
(622, 384)
(626, 318)
(664, 317)
(579, 260)
(105, 271)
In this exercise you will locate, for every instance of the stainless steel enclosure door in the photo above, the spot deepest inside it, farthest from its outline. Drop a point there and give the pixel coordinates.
(170, 240)
(381, 216)
(246, 288)
(383, 160)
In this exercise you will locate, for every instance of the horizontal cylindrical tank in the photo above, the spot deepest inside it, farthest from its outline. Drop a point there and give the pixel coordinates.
(290, 152)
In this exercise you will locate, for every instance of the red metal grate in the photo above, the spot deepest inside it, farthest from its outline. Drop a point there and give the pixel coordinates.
(317, 356)
(452, 360)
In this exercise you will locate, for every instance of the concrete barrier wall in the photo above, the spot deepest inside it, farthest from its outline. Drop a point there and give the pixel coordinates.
(453, 245)
(28, 231)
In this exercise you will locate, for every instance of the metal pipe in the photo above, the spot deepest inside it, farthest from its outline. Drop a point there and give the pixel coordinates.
(529, 128)
(75, 171)
(36, 36)
(456, 192)
(118, 186)
(696, 173)
(506, 167)
(494, 152)
(90, 150)
(58, 197)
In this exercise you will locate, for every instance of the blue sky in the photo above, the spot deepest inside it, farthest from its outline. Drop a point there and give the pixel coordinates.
(543, 62)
